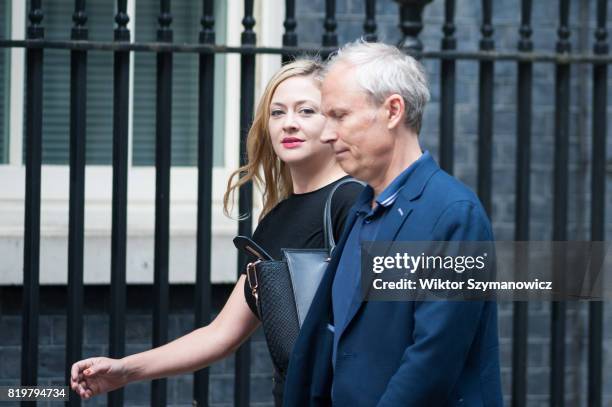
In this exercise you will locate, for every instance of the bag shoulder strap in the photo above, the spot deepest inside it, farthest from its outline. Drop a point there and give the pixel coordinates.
(328, 228)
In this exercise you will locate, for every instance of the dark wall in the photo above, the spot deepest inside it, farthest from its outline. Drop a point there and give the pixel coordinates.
(51, 368)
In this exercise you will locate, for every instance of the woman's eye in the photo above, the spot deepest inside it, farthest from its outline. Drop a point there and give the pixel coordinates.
(275, 113)
(307, 110)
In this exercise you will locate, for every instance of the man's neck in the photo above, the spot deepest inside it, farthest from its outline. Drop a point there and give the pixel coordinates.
(405, 153)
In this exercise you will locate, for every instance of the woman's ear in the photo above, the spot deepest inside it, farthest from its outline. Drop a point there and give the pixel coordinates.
(395, 109)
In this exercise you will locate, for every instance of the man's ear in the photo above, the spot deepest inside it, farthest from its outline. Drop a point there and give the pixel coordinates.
(395, 109)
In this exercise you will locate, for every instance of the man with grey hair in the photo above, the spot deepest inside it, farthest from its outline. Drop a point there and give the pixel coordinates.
(352, 352)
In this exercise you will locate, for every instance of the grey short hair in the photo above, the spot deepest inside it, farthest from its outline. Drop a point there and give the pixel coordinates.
(382, 70)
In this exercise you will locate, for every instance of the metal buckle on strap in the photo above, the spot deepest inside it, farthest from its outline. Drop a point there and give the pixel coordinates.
(252, 278)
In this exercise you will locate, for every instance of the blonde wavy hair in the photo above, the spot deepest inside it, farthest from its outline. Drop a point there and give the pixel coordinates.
(264, 167)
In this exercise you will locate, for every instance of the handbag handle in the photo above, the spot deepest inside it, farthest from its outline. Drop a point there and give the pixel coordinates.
(328, 228)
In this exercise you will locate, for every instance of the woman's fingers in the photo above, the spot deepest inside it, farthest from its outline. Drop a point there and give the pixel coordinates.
(100, 365)
(88, 394)
(84, 390)
(78, 367)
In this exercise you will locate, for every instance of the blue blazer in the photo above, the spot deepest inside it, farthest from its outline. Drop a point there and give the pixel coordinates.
(421, 354)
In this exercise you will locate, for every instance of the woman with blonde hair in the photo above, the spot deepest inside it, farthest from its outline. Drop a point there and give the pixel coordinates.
(296, 172)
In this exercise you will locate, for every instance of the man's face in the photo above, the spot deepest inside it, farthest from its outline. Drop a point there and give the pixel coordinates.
(355, 127)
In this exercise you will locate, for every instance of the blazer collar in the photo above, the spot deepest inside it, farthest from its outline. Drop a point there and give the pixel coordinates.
(416, 178)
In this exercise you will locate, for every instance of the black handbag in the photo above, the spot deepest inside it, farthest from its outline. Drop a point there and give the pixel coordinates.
(284, 289)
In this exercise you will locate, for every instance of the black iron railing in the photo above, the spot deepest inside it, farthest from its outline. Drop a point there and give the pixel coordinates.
(410, 25)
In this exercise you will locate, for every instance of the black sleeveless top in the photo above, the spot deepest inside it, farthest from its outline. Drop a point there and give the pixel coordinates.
(297, 223)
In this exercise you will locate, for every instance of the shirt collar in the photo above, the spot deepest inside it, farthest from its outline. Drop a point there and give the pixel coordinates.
(388, 196)
(390, 193)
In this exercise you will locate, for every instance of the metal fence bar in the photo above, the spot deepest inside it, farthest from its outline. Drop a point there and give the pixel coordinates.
(539, 56)
(411, 25)
(598, 200)
(485, 110)
(369, 25)
(162, 194)
(521, 221)
(245, 196)
(31, 244)
(562, 100)
(203, 292)
(447, 91)
(76, 218)
(330, 37)
(290, 38)
(121, 89)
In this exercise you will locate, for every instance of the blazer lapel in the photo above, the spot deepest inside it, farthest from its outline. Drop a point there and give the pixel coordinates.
(393, 220)
(390, 226)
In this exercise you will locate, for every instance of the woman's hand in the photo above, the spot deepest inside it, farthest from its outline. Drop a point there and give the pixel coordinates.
(93, 376)
(191, 352)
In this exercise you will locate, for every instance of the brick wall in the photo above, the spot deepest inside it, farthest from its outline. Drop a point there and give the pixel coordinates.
(51, 369)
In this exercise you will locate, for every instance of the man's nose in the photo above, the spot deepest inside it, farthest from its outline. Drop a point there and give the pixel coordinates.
(329, 134)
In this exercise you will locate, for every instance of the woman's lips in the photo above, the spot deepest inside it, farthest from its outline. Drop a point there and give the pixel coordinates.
(291, 142)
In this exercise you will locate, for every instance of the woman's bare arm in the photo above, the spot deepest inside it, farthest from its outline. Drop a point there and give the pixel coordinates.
(191, 352)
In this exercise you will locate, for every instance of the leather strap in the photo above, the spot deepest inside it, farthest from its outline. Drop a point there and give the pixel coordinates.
(328, 228)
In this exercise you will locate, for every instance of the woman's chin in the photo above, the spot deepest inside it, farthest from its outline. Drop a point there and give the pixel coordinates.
(306, 158)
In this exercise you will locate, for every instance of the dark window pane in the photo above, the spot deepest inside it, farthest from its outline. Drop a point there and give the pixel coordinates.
(186, 28)
(56, 85)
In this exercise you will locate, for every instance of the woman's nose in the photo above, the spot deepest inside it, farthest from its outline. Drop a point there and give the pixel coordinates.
(289, 122)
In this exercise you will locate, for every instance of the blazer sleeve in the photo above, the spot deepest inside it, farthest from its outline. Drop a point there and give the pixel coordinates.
(444, 330)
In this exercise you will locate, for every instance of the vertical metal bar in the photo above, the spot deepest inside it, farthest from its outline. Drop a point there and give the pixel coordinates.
(485, 110)
(162, 194)
(121, 96)
(205, 169)
(245, 196)
(290, 38)
(31, 252)
(76, 218)
(598, 199)
(447, 90)
(411, 24)
(369, 25)
(521, 222)
(330, 37)
(562, 99)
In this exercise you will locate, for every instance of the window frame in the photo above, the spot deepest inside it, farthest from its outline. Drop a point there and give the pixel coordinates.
(98, 185)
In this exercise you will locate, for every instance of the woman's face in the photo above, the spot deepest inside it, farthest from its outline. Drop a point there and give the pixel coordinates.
(295, 122)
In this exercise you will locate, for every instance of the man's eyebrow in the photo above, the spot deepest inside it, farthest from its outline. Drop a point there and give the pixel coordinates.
(335, 110)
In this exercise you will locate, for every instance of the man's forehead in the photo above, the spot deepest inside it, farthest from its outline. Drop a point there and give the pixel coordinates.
(343, 94)
(338, 70)
(339, 81)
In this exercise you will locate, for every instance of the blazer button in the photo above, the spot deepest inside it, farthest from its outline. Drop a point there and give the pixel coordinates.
(460, 401)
